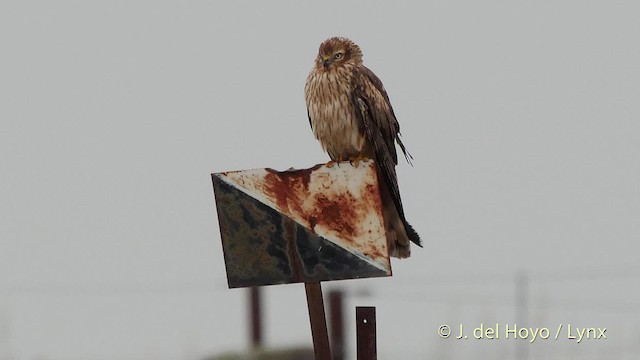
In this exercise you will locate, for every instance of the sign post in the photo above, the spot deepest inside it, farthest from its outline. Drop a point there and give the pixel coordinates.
(310, 225)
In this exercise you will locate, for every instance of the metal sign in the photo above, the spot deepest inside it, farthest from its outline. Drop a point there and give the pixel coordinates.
(308, 225)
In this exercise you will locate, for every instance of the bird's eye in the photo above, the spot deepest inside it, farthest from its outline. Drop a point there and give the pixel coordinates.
(338, 56)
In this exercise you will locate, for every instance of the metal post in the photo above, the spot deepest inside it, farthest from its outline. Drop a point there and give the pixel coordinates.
(318, 321)
(255, 317)
(366, 332)
(336, 323)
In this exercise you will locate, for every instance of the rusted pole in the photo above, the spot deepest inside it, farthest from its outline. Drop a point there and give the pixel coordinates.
(255, 320)
(336, 324)
(318, 321)
(366, 332)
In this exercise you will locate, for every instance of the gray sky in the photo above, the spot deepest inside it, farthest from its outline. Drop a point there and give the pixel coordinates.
(523, 119)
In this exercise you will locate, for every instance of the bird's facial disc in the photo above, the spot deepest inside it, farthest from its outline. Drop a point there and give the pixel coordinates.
(328, 59)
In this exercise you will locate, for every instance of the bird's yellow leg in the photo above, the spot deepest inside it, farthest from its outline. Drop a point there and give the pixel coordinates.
(355, 160)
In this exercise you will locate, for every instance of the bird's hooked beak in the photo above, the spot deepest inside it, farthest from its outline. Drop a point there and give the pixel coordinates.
(326, 61)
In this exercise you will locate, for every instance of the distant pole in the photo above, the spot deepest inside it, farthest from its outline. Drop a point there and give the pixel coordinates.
(336, 323)
(255, 311)
(366, 332)
(522, 312)
(315, 304)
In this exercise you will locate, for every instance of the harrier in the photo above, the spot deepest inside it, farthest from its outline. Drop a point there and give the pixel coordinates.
(350, 114)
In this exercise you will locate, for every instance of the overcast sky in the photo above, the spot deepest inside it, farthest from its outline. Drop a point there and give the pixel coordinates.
(522, 117)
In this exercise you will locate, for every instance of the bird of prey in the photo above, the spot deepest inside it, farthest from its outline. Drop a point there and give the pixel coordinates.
(350, 114)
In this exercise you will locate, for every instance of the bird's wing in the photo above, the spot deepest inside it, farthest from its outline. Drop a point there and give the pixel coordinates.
(380, 126)
(386, 115)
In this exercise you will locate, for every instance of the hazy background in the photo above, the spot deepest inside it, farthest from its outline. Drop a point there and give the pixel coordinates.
(523, 119)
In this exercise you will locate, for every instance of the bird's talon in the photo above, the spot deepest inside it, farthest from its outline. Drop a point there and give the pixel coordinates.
(355, 161)
(334, 162)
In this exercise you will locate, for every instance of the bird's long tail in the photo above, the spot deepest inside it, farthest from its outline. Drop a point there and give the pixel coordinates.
(412, 234)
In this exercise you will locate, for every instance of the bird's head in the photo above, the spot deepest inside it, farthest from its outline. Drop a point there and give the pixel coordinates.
(337, 52)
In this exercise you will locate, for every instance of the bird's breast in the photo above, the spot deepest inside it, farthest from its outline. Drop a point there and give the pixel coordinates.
(332, 116)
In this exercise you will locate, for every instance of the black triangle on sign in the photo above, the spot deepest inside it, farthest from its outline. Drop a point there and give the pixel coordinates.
(329, 261)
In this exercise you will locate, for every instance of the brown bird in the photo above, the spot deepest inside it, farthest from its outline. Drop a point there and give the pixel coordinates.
(350, 114)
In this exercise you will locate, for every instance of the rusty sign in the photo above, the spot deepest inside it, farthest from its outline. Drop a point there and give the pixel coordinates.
(317, 224)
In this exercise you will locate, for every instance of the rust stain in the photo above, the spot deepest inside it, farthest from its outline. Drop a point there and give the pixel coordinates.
(333, 208)
(337, 213)
(289, 232)
(373, 252)
(373, 195)
(303, 176)
(313, 221)
(288, 188)
(278, 189)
